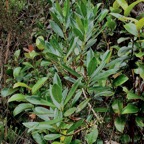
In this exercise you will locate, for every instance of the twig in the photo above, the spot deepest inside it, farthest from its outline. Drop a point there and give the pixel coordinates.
(91, 108)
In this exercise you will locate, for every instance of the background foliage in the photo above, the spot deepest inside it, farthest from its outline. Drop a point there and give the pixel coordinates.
(76, 76)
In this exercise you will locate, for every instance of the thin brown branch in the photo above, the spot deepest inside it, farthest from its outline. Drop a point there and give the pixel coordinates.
(98, 119)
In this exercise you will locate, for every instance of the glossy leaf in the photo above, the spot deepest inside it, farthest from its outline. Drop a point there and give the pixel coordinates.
(17, 97)
(92, 136)
(120, 124)
(21, 107)
(120, 80)
(129, 109)
(39, 84)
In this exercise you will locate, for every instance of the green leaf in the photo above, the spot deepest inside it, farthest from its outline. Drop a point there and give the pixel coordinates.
(140, 70)
(78, 34)
(42, 110)
(76, 98)
(56, 29)
(38, 138)
(72, 46)
(125, 139)
(119, 123)
(123, 4)
(75, 125)
(71, 70)
(140, 24)
(7, 91)
(132, 95)
(92, 66)
(103, 75)
(20, 84)
(40, 43)
(16, 72)
(120, 80)
(82, 105)
(57, 80)
(72, 90)
(55, 102)
(105, 58)
(17, 97)
(101, 109)
(22, 107)
(52, 136)
(70, 111)
(50, 122)
(129, 109)
(38, 84)
(17, 54)
(123, 18)
(57, 93)
(132, 29)
(139, 121)
(38, 101)
(117, 106)
(128, 9)
(92, 136)
(103, 14)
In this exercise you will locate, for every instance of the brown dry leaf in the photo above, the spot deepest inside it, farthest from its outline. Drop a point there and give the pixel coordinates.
(32, 116)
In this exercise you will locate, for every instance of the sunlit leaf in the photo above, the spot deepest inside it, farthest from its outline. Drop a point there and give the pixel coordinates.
(38, 84)
(123, 4)
(21, 107)
(17, 97)
(129, 8)
(129, 109)
(20, 84)
(132, 29)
